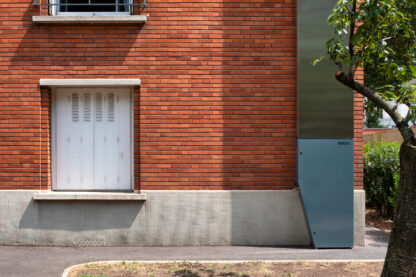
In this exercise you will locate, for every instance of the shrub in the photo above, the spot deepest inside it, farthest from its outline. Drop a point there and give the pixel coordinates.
(381, 175)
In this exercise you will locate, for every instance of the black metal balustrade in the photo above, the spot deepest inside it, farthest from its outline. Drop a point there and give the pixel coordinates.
(93, 5)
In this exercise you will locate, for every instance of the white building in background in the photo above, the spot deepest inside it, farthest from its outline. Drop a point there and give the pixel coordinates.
(403, 109)
(386, 120)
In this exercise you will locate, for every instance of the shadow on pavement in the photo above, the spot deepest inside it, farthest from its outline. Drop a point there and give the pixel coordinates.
(376, 238)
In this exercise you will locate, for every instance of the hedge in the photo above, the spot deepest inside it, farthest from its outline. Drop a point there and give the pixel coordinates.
(381, 175)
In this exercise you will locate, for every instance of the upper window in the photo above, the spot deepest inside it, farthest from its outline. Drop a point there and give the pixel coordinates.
(69, 7)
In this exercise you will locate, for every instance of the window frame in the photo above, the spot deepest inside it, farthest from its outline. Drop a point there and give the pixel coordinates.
(54, 141)
(54, 10)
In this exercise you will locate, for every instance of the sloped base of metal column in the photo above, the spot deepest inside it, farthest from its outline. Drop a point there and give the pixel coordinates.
(326, 183)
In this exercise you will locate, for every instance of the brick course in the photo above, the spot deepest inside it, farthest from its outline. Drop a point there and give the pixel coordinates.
(216, 108)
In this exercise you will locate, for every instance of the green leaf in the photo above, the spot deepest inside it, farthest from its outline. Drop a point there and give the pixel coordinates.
(413, 69)
(318, 60)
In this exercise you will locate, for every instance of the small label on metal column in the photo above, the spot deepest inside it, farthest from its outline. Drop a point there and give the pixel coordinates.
(344, 143)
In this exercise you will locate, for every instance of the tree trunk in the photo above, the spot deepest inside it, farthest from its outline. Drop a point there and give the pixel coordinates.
(401, 253)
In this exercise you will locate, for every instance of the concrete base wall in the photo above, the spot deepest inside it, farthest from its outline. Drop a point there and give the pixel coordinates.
(359, 217)
(166, 218)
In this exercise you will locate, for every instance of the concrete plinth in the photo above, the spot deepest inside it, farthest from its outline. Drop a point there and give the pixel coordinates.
(166, 218)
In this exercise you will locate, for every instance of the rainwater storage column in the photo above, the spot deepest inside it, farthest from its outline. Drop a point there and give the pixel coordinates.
(325, 150)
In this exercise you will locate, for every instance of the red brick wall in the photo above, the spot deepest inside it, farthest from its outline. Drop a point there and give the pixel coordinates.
(358, 135)
(45, 138)
(217, 104)
(358, 141)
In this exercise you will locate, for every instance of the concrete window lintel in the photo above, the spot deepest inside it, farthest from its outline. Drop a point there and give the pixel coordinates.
(92, 19)
(89, 82)
(89, 196)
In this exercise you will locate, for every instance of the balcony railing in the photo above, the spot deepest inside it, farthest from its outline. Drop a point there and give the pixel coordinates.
(92, 5)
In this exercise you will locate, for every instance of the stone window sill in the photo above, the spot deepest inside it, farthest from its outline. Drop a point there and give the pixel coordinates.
(88, 196)
(89, 82)
(93, 19)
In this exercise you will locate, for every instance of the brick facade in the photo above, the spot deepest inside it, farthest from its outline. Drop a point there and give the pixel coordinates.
(216, 108)
(358, 137)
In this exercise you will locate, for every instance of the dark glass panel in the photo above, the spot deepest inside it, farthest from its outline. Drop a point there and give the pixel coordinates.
(94, 6)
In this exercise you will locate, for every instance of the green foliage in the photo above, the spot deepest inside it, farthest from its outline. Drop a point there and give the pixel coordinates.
(379, 36)
(400, 46)
(372, 120)
(372, 115)
(381, 175)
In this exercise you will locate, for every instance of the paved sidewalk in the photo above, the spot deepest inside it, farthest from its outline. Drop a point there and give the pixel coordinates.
(51, 261)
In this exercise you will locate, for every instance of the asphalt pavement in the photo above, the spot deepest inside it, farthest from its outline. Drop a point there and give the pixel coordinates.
(51, 261)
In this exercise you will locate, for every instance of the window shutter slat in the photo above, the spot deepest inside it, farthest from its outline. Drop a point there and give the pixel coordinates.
(98, 107)
(75, 107)
(87, 107)
(110, 107)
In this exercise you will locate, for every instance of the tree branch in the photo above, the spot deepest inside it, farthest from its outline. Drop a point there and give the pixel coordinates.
(338, 64)
(392, 111)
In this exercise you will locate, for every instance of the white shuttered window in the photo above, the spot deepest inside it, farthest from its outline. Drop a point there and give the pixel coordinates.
(92, 139)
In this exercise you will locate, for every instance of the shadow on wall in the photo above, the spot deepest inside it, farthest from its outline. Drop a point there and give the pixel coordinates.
(71, 48)
(80, 215)
(168, 218)
(268, 219)
(259, 122)
(259, 95)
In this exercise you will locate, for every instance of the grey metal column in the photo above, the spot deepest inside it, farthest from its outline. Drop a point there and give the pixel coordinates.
(325, 134)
